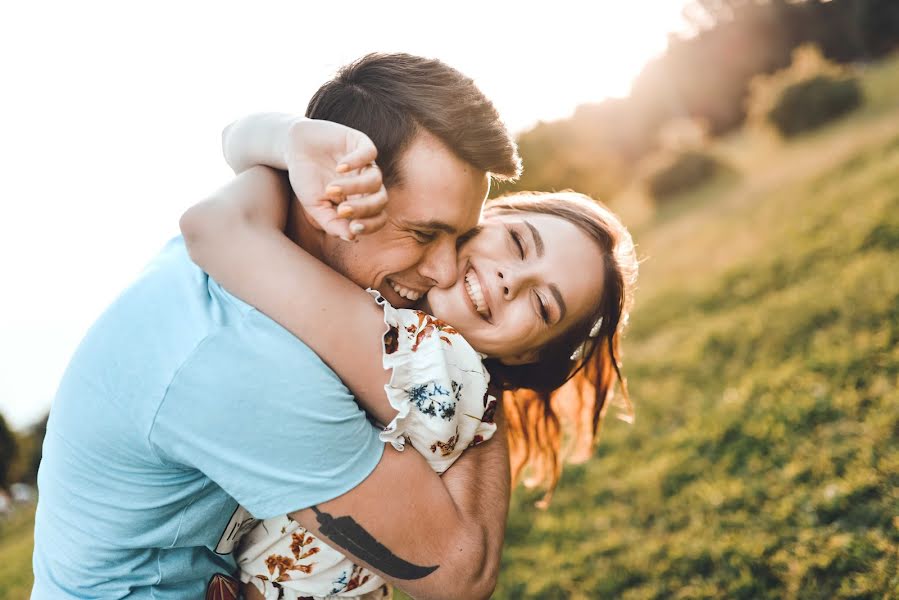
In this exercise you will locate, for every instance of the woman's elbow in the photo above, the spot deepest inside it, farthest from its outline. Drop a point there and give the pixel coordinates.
(191, 225)
(200, 230)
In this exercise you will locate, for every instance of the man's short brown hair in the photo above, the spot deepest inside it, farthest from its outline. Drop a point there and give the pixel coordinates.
(390, 96)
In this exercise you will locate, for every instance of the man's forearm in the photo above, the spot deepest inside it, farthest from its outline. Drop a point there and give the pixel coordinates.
(479, 483)
(436, 538)
(258, 139)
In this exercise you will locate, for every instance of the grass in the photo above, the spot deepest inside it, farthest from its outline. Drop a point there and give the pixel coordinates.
(764, 362)
(16, 541)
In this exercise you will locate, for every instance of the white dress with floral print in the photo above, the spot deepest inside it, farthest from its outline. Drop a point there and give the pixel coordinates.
(438, 386)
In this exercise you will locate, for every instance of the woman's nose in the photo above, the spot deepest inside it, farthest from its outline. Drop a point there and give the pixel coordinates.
(509, 281)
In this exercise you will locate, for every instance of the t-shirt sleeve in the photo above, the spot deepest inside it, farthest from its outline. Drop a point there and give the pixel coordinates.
(263, 417)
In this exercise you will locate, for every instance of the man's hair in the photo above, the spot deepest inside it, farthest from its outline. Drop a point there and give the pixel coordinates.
(391, 97)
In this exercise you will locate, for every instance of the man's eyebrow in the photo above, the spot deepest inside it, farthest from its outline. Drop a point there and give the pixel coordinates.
(432, 225)
(465, 237)
(538, 241)
(558, 296)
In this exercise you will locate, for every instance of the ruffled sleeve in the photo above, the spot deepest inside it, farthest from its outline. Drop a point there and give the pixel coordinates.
(438, 386)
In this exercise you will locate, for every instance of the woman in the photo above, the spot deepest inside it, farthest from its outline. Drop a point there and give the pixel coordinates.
(543, 293)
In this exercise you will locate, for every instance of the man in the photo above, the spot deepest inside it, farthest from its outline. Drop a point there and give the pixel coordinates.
(183, 404)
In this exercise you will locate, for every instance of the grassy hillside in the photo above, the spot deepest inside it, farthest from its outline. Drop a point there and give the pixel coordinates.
(16, 540)
(764, 363)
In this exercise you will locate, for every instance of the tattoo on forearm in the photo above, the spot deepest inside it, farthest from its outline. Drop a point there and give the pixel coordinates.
(352, 537)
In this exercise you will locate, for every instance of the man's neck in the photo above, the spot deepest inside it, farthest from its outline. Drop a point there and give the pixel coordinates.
(302, 232)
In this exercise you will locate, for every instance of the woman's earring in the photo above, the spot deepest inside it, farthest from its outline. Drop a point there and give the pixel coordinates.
(578, 352)
(594, 332)
(596, 327)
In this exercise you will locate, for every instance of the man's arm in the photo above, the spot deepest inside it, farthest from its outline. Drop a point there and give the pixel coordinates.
(432, 537)
(259, 414)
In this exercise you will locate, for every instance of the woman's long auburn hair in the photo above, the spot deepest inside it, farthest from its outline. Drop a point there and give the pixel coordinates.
(555, 406)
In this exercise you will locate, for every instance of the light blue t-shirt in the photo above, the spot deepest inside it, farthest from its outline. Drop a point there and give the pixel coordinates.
(182, 403)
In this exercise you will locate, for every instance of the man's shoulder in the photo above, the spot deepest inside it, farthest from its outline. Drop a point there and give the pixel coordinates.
(214, 329)
(263, 351)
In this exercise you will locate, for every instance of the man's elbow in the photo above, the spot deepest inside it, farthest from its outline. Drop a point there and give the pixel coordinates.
(477, 573)
(484, 582)
(484, 588)
(478, 586)
(463, 584)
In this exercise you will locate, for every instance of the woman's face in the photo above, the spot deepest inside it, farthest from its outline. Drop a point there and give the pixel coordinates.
(523, 280)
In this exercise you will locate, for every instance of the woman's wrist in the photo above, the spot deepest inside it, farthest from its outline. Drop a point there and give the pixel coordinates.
(260, 139)
(289, 139)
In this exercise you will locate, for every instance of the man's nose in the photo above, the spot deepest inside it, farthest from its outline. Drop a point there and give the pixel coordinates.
(439, 264)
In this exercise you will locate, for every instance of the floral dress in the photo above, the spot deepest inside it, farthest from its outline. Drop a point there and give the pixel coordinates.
(438, 386)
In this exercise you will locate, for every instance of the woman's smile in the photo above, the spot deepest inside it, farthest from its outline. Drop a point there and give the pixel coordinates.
(476, 293)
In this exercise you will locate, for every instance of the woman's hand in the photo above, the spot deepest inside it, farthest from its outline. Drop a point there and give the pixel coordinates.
(333, 173)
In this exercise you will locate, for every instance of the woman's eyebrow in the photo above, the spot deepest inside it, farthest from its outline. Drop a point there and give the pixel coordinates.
(537, 239)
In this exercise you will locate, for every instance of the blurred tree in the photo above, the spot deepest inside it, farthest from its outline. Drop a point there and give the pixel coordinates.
(7, 452)
(810, 92)
(704, 77)
(28, 456)
(877, 22)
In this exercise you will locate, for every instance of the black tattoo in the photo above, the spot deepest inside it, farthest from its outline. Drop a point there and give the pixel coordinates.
(351, 536)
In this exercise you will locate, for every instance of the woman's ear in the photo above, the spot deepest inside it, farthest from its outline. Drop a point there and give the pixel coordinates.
(524, 358)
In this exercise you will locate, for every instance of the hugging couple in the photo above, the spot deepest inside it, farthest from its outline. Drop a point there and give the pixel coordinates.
(314, 391)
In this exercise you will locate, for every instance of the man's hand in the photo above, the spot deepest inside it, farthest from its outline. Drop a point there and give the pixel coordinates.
(332, 172)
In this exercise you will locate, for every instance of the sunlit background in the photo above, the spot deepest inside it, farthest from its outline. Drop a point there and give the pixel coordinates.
(111, 115)
(751, 147)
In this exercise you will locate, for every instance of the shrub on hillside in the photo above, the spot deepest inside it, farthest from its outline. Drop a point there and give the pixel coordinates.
(808, 104)
(812, 91)
(671, 174)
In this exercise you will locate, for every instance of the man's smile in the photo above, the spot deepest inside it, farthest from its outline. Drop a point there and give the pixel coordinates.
(404, 292)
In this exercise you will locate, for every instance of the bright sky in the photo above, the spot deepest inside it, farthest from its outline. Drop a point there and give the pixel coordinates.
(112, 115)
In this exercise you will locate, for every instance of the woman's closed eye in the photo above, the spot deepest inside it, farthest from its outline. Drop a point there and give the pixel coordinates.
(516, 239)
(542, 309)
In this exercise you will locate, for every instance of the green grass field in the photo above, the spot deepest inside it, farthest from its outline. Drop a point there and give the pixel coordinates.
(16, 540)
(763, 359)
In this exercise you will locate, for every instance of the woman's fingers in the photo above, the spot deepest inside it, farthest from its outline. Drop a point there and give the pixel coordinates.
(363, 206)
(359, 158)
(370, 225)
(367, 181)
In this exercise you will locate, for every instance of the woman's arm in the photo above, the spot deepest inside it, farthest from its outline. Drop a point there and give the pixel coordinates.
(258, 139)
(237, 237)
(331, 168)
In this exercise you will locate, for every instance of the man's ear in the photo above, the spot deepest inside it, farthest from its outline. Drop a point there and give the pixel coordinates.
(525, 358)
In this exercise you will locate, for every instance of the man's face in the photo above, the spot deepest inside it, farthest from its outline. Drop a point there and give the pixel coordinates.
(438, 199)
